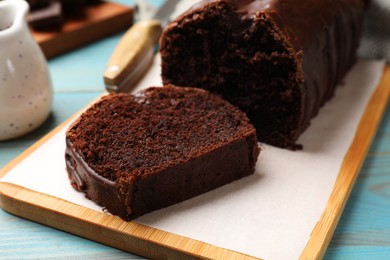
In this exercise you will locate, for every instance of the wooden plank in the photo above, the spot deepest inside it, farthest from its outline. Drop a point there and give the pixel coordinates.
(154, 243)
(349, 171)
(110, 230)
(100, 20)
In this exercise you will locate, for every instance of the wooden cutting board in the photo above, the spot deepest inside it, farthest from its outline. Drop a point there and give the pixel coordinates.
(100, 20)
(154, 243)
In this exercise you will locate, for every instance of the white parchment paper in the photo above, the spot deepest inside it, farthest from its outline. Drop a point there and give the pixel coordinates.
(269, 214)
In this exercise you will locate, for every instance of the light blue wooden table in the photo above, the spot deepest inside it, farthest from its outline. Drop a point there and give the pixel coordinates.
(363, 232)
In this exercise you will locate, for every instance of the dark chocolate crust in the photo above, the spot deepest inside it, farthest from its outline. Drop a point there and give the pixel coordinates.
(279, 61)
(107, 158)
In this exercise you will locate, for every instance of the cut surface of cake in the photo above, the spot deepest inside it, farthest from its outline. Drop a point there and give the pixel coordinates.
(137, 153)
(278, 61)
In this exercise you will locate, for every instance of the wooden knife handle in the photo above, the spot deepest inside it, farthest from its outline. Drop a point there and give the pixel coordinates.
(132, 56)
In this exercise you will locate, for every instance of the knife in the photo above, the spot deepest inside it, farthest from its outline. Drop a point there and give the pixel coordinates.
(135, 51)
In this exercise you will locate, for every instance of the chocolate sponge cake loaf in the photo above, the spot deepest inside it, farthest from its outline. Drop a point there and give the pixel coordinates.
(279, 61)
(137, 153)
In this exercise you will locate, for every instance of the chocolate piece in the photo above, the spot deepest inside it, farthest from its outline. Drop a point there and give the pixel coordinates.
(49, 14)
(279, 61)
(137, 153)
(47, 17)
(74, 6)
(34, 4)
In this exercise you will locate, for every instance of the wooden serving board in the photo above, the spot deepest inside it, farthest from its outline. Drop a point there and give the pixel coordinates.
(154, 243)
(100, 20)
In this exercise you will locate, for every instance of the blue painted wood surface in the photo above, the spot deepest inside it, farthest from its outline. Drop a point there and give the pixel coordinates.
(363, 231)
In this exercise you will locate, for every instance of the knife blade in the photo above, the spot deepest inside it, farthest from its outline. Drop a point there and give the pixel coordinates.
(135, 51)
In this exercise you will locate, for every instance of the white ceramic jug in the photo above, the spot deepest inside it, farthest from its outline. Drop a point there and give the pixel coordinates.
(25, 85)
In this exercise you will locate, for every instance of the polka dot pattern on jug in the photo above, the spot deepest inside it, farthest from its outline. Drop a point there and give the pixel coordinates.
(25, 85)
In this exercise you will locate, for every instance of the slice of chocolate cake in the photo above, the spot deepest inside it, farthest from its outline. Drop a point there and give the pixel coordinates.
(134, 154)
(279, 61)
